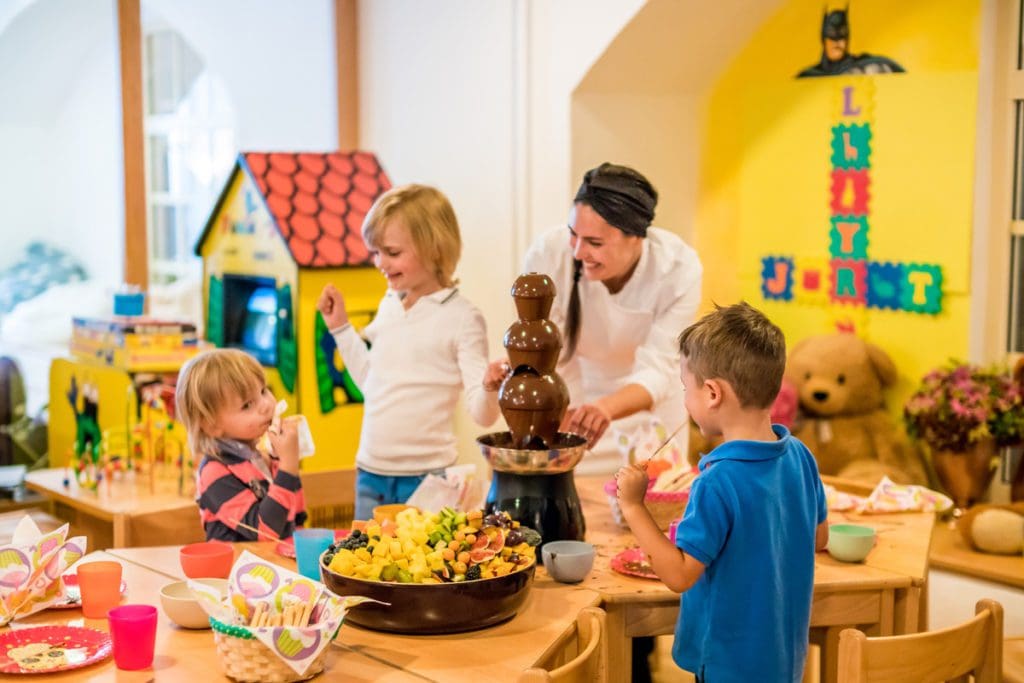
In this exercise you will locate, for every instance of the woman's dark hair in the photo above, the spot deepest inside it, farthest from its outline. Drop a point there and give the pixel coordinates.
(625, 199)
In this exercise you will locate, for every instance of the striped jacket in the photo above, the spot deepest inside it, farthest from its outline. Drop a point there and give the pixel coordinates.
(233, 489)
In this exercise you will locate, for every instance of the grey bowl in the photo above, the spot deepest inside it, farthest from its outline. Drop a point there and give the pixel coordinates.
(502, 457)
(568, 561)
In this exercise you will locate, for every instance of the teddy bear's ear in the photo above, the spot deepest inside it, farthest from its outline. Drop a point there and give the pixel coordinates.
(884, 367)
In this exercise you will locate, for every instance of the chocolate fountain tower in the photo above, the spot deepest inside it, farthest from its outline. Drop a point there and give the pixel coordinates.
(533, 461)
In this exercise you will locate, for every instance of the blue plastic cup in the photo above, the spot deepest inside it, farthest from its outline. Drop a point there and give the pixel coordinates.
(309, 545)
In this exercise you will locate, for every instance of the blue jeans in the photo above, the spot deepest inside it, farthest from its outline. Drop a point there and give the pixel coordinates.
(378, 489)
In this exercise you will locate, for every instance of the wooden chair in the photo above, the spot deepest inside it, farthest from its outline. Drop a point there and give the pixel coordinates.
(330, 498)
(950, 654)
(812, 668)
(580, 655)
(1013, 659)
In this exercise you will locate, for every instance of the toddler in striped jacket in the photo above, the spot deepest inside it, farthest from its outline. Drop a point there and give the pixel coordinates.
(223, 400)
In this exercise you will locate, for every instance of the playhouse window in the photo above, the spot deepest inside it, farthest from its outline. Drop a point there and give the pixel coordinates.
(250, 316)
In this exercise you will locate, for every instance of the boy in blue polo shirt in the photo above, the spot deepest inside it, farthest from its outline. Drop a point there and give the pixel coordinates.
(744, 552)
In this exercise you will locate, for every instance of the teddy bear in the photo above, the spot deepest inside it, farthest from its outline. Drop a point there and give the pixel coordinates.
(992, 528)
(840, 380)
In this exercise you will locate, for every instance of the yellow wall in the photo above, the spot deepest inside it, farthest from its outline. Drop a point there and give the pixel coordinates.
(766, 159)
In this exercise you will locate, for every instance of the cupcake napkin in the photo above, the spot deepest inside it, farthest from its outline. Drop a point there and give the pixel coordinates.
(31, 566)
(257, 586)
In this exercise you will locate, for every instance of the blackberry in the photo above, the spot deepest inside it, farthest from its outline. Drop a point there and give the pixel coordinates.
(473, 573)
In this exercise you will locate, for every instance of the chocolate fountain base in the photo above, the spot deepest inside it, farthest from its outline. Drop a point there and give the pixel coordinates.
(545, 502)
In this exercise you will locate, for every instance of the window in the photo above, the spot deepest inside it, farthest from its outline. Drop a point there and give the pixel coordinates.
(190, 149)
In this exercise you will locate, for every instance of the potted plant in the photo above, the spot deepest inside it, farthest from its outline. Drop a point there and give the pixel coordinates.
(964, 413)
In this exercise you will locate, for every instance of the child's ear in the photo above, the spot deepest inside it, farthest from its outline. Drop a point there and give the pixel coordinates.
(714, 391)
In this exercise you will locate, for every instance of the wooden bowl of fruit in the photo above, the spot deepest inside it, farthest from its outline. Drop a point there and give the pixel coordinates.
(446, 572)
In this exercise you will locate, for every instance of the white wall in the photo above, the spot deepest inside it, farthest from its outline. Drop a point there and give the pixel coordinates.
(276, 60)
(474, 98)
(60, 131)
(60, 123)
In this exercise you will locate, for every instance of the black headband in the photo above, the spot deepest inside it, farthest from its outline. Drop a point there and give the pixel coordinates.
(625, 202)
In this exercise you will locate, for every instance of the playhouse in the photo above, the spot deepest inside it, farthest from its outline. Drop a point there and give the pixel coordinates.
(285, 225)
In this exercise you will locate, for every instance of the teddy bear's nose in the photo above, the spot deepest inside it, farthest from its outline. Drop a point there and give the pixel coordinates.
(820, 396)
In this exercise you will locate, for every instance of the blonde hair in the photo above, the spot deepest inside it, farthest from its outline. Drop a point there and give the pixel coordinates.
(205, 384)
(740, 345)
(430, 219)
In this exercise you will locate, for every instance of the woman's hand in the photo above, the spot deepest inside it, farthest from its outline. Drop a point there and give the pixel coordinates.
(285, 442)
(496, 373)
(631, 482)
(590, 421)
(331, 305)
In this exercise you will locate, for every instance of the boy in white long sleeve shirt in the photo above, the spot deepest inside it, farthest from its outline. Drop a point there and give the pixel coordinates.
(427, 343)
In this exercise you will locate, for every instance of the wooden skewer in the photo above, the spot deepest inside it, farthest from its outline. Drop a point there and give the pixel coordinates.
(257, 614)
(268, 536)
(664, 443)
(307, 611)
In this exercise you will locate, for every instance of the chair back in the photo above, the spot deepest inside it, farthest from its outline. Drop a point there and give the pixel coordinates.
(580, 655)
(950, 654)
(330, 498)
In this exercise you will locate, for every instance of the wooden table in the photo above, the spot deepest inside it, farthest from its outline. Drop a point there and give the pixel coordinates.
(950, 552)
(123, 512)
(882, 595)
(499, 653)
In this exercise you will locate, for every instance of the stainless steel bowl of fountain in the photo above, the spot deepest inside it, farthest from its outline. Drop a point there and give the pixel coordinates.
(499, 451)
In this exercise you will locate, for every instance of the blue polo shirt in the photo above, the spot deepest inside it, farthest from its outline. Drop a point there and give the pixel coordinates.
(750, 521)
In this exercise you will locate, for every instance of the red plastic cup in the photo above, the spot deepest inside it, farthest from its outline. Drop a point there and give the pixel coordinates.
(133, 630)
(100, 585)
(208, 560)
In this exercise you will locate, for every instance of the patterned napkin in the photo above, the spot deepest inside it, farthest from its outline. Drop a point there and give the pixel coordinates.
(887, 497)
(254, 581)
(31, 566)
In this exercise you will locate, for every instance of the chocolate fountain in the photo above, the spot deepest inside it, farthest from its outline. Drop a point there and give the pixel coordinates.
(533, 461)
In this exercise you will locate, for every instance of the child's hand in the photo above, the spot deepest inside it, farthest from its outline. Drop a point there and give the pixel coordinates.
(496, 373)
(285, 442)
(631, 484)
(331, 305)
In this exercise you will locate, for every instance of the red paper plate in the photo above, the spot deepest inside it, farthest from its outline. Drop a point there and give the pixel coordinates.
(633, 562)
(286, 548)
(74, 597)
(46, 649)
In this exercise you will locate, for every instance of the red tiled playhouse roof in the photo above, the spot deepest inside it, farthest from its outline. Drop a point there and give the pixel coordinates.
(318, 202)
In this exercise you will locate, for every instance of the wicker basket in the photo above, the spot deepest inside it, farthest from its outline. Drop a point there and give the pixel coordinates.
(665, 507)
(244, 658)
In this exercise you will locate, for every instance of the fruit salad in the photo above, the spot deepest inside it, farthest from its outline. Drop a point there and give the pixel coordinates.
(442, 547)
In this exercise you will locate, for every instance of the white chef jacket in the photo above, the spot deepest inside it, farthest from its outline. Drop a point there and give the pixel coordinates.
(411, 376)
(630, 337)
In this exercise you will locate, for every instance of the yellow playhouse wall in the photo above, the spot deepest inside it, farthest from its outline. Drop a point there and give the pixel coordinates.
(336, 433)
(766, 163)
(116, 406)
(244, 241)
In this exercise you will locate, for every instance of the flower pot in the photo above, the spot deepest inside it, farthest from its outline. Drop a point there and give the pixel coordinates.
(966, 474)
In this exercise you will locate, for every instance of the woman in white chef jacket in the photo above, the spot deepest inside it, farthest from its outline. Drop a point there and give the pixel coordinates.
(625, 290)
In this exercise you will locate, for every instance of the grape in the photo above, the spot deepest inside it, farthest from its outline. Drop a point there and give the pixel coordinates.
(515, 537)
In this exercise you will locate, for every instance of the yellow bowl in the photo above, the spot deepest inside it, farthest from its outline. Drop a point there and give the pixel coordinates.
(850, 542)
(182, 607)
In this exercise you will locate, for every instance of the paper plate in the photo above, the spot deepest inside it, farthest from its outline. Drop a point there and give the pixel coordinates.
(46, 649)
(287, 548)
(633, 562)
(75, 596)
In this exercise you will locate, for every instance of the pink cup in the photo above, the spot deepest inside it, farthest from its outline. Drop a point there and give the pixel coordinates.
(133, 630)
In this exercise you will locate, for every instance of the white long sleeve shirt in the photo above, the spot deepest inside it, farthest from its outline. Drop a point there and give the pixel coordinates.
(411, 376)
(629, 337)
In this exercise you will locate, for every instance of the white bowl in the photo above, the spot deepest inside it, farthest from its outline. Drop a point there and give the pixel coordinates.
(181, 605)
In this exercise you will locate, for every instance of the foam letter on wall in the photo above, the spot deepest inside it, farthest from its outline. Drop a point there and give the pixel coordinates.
(849, 281)
(848, 237)
(777, 278)
(923, 290)
(849, 192)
